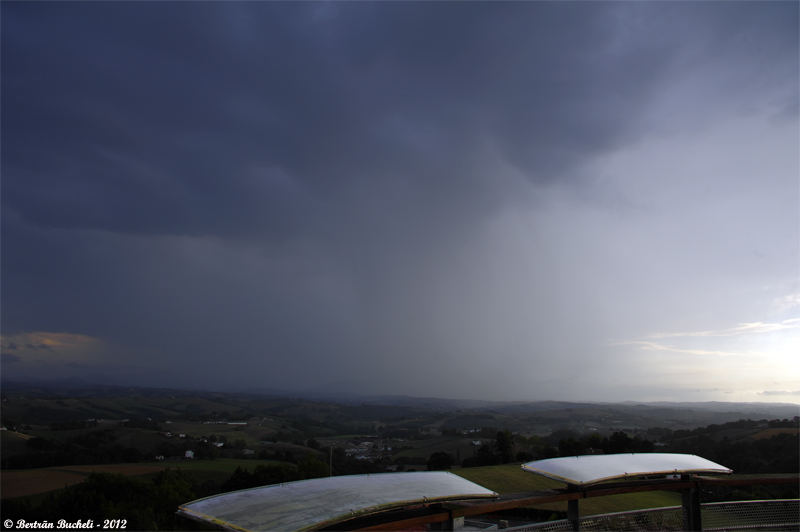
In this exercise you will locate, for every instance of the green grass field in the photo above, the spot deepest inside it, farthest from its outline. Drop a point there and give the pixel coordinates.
(509, 478)
(512, 479)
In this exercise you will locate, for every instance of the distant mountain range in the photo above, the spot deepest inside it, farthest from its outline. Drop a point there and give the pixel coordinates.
(101, 386)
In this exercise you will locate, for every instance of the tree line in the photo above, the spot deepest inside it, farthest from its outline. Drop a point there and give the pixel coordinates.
(779, 453)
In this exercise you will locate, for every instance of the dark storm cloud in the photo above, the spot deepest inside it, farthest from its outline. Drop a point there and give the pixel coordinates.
(36, 347)
(8, 358)
(250, 118)
(305, 180)
(170, 118)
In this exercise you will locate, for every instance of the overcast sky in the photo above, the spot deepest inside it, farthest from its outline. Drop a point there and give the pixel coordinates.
(513, 201)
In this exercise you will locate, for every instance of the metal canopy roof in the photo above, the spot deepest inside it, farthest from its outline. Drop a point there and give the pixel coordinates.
(586, 470)
(317, 503)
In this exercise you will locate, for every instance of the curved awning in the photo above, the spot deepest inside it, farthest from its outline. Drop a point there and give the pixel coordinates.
(320, 502)
(587, 470)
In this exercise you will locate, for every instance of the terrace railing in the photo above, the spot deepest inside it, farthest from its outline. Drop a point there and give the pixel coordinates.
(717, 517)
(733, 516)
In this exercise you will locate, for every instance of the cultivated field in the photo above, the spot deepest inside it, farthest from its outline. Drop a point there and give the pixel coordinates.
(769, 433)
(33, 481)
(26, 482)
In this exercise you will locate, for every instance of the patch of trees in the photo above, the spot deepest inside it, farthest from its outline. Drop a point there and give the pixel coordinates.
(98, 447)
(262, 475)
(534, 448)
(413, 424)
(793, 423)
(305, 431)
(410, 460)
(619, 442)
(484, 456)
(482, 432)
(9, 423)
(507, 447)
(561, 434)
(348, 465)
(405, 434)
(383, 413)
(145, 505)
(95, 439)
(309, 467)
(778, 454)
(72, 425)
(333, 427)
(440, 461)
(470, 420)
(500, 451)
(665, 434)
(285, 436)
(213, 416)
(283, 457)
(142, 423)
(41, 444)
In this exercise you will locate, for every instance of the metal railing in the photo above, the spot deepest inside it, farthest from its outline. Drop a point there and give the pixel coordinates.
(782, 514)
(692, 515)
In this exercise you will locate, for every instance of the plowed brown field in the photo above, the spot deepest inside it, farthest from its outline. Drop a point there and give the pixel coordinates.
(22, 483)
(769, 433)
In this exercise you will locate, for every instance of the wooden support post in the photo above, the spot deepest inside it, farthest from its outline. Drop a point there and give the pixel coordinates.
(573, 514)
(690, 500)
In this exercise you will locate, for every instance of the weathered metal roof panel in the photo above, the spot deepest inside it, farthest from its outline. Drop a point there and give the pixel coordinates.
(317, 503)
(586, 470)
